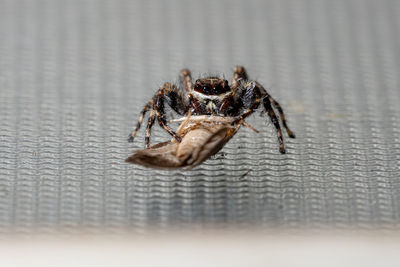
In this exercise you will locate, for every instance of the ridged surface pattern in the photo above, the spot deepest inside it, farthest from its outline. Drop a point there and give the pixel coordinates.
(74, 76)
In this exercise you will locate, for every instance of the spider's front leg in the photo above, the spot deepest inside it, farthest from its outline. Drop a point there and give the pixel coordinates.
(186, 79)
(174, 98)
(239, 74)
(146, 108)
(251, 96)
(281, 114)
(159, 109)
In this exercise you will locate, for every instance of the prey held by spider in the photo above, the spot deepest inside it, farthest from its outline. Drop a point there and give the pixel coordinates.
(209, 102)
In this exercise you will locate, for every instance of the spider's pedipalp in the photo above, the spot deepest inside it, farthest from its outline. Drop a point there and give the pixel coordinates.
(194, 104)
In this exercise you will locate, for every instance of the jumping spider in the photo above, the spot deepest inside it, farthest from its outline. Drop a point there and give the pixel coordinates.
(211, 96)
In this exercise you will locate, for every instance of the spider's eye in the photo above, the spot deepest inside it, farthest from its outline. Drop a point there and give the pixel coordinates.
(198, 88)
(206, 89)
(221, 88)
(218, 89)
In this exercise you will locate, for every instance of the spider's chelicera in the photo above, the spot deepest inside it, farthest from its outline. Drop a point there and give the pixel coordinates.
(212, 96)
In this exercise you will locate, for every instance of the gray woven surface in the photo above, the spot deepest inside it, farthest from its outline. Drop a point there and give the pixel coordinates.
(75, 74)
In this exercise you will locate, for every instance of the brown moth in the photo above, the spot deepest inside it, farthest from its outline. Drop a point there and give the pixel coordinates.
(201, 137)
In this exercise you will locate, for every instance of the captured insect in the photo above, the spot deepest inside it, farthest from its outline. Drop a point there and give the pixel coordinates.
(201, 137)
(218, 110)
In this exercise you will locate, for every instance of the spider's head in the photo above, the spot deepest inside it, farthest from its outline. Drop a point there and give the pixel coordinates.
(211, 86)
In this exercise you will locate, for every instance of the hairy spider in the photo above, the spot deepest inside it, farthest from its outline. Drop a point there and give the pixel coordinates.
(211, 96)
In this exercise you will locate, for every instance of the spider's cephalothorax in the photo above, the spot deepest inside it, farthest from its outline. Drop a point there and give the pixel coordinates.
(208, 95)
(211, 96)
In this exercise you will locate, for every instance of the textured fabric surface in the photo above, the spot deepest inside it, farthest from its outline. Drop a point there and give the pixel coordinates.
(74, 76)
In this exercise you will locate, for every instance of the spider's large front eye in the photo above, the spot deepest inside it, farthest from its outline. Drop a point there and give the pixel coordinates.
(219, 89)
(206, 89)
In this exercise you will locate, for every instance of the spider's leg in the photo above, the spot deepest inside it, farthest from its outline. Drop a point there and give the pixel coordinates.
(187, 80)
(194, 104)
(238, 74)
(175, 98)
(282, 115)
(248, 111)
(140, 120)
(159, 110)
(275, 121)
(150, 123)
(250, 97)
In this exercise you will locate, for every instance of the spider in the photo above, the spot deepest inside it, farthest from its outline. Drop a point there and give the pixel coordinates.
(211, 96)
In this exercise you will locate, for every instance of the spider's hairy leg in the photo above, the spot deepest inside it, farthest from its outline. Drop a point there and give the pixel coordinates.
(187, 79)
(247, 112)
(174, 98)
(150, 123)
(275, 121)
(158, 107)
(146, 108)
(282, 115)
(251, 98)
(238, 74)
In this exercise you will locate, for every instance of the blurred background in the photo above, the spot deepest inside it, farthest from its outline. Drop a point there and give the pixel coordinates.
(75, 74)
